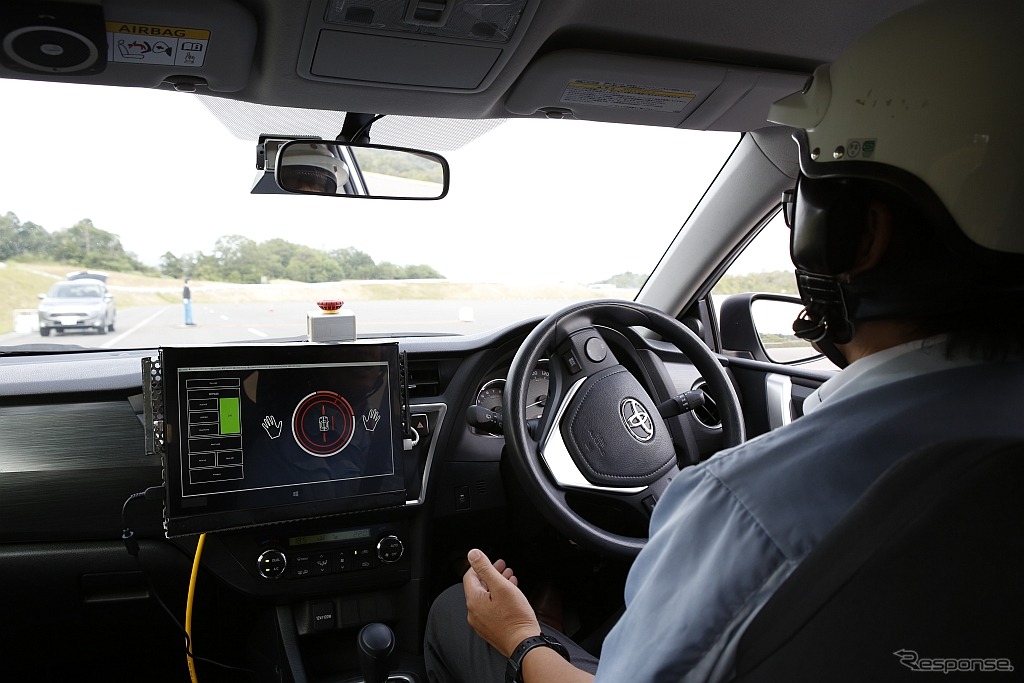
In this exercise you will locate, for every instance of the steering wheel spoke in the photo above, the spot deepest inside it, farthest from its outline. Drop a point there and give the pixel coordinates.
(601, 433)
(577, 351)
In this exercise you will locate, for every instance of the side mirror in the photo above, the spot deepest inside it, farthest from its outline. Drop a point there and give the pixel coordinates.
(337, 169)
(760, 327)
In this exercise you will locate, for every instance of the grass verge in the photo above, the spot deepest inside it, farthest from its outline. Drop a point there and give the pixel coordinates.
(21, 283)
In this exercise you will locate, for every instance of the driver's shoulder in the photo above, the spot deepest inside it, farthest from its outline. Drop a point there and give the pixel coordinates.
(796, 481)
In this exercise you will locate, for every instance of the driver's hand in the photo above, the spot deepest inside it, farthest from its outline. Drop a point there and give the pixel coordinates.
(497, 610)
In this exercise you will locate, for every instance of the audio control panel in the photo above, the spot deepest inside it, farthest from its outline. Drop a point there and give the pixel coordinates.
(337, 551)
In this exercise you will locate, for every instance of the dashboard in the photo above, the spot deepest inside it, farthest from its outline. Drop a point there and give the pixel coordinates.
(99, 398)
(78, 440)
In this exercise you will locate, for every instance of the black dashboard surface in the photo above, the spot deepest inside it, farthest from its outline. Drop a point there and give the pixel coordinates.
(73, 445)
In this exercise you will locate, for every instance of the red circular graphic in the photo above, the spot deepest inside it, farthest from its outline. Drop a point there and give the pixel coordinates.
(323, 423)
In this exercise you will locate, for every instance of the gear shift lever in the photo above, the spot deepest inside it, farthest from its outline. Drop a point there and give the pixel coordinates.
(376, 644)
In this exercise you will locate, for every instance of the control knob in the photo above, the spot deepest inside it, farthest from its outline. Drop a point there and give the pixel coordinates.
(272, 563)
(390, 549)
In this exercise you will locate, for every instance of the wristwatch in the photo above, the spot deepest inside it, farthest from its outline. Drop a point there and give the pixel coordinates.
(514, 668)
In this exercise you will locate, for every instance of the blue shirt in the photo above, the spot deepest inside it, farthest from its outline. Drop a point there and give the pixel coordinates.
(729, 531)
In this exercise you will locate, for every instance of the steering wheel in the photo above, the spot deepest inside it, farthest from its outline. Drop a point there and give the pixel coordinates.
(601, 431)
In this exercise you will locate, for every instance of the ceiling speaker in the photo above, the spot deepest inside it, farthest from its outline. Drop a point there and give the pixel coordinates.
(52, 37)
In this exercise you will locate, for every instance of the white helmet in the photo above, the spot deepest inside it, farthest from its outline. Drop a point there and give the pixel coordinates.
(311, 165)
(928, 100)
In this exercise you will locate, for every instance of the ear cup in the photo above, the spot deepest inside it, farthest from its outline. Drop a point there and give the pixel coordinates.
(53, 37)
(828, 226)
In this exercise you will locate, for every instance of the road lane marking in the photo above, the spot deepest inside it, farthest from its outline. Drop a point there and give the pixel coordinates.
(107, 344)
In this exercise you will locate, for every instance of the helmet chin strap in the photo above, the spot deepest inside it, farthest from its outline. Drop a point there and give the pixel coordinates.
(832, 305)
(825, 320)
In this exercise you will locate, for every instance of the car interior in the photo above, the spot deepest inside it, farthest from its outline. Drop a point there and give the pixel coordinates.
(138, 539)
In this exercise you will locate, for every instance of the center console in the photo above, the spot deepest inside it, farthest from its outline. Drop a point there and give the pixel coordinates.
(305, 467)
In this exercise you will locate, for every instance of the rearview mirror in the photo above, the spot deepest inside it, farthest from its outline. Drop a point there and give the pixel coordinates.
(338, 169)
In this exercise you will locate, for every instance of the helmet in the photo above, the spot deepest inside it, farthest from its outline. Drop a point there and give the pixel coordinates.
(919, 109)
(926, 102)
(311, 167)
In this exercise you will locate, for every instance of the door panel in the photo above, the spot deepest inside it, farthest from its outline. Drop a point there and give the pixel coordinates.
(773, 394)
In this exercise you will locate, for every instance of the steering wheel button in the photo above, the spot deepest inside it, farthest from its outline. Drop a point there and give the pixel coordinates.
(596, 349)
(571, 362)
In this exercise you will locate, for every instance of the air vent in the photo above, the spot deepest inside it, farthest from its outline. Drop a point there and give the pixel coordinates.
(424, 378)
(707, 414)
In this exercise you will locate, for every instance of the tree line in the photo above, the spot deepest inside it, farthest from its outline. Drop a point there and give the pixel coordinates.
(239, 259)
(234, 258)
(774, 281)
(82, 245)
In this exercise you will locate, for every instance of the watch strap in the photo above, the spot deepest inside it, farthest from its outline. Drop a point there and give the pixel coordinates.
(514, 667)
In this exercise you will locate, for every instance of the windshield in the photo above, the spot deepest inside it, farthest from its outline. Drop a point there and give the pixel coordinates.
(150, 188)
(75, 290)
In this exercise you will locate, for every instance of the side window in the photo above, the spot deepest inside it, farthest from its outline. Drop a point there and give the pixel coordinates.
(764, 267)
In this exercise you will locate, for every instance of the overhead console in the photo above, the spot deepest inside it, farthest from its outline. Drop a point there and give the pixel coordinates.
(446, 45)
(253, 435)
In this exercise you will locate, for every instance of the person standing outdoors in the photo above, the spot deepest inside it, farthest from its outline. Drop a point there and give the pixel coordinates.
(186, 298)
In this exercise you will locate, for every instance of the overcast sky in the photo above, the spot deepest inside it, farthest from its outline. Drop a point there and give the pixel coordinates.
(530, 200)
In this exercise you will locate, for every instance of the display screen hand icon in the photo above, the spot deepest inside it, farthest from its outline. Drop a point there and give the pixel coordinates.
(272, 426)
(371, 419)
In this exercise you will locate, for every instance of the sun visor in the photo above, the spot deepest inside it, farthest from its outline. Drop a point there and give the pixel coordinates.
(192, 45)
(602, 86)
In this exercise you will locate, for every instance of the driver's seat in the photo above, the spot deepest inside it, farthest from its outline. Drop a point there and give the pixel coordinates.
(925, 574)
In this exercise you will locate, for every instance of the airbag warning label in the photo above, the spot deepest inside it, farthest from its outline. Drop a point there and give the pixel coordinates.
(623, 95)
(147, 44)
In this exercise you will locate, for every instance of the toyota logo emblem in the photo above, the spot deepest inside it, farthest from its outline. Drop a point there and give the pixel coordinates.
(636, 419)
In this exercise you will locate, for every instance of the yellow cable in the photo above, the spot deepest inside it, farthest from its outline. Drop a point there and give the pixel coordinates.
(188, 607)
